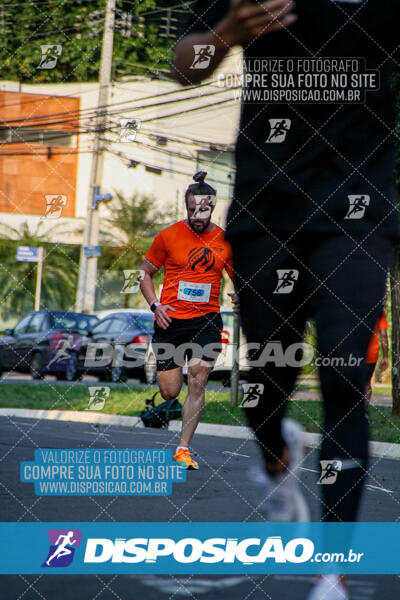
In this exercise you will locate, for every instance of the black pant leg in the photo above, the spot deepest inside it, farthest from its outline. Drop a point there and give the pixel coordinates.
(349, 285)
(275, 321)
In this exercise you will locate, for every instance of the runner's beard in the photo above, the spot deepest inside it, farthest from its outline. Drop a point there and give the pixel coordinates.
(200, 224)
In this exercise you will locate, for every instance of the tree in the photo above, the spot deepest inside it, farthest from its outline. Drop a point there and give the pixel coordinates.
(395, 272)
(18, 279)
(131, 227)
(77, 26)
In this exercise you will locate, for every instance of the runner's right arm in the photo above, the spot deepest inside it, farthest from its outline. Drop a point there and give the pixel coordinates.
(157, 253)
(208, 26)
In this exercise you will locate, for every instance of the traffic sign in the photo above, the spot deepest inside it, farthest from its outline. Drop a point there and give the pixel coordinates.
(27, 254)
(91, 251)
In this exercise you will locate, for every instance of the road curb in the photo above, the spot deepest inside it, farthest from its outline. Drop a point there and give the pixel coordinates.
(312, 440)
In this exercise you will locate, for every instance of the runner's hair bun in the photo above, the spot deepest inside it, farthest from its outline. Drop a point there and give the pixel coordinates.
(200, 187)
(200, 176)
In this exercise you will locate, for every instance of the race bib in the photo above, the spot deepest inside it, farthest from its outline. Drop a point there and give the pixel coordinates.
(194, 292)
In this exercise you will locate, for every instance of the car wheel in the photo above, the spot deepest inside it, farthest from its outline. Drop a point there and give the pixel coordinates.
(118, 375)
(72, 371)
(36, 366)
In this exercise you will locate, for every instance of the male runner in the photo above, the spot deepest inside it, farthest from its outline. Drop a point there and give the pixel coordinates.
(193, 253)
(373, 353)
(292, 210)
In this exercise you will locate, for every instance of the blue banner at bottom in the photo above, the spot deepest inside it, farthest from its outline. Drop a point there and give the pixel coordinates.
(209, 548)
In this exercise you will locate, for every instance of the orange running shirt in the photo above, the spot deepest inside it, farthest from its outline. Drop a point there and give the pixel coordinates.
(373, 348)
(193, 265)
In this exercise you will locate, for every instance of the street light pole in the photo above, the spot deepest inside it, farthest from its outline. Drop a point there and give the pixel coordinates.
(85, 298)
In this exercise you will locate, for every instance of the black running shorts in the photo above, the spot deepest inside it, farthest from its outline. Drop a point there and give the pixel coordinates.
(183, 339)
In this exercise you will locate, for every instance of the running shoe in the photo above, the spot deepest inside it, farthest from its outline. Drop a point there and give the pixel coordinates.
(183, 458)
(329, 587)
(282, 497)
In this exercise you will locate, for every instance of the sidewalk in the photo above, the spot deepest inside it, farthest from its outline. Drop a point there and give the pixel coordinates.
(377, 399)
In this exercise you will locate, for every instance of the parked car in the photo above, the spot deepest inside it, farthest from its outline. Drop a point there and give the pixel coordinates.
(120, 335)
(45, 342)
(223, 366)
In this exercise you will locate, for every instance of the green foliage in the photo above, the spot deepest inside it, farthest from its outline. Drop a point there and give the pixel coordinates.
(396, 90)
(75, 25)
(18, 279)
(126, 235)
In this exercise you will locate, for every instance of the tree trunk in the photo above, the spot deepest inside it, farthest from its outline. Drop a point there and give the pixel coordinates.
(395, 294)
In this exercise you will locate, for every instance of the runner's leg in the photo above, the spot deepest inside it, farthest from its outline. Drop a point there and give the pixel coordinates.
(349, 286)
(170, 383)
(274, 321)
(198, 372)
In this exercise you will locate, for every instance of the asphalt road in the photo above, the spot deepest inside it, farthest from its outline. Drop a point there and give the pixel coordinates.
(219, 491)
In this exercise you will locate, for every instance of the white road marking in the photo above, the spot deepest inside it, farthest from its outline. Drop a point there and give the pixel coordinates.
(376, 487)
(368, 485)
(234, 453)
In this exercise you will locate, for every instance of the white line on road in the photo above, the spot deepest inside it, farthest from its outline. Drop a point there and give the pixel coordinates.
(376, 487)
(234, 453)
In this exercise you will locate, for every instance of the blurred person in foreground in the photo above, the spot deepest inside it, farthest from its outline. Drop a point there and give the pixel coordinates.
(312, 221)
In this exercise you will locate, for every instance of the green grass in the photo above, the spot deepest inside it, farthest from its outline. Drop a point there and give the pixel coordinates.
(131, 401)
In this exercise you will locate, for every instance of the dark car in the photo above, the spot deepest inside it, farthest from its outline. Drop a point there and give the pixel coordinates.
(118, 339)
(45, 342)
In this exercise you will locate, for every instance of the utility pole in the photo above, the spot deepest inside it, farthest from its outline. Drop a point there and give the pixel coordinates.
(39, 271)
(88, 264)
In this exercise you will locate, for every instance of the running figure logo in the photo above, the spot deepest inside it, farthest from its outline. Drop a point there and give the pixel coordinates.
(329, 471)
(132, 277)
(201, 257)
(62, 547)
(50, 55)
(252, 393)
(128, 129)
(203, 54)
(98, 397)
(286, 280)
(64, 346)
(54, 205)
(357, 207)
(279, 129)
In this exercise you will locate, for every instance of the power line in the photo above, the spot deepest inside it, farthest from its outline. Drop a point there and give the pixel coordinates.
(92, 111)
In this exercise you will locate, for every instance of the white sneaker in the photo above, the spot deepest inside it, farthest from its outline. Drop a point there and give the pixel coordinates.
(283, 500)
(328, 587)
